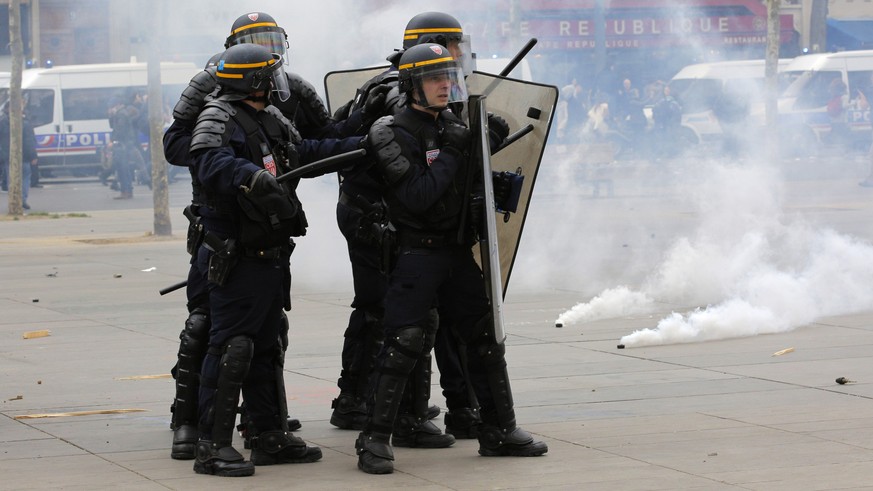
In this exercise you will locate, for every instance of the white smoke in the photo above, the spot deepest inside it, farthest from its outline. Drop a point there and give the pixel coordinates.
(754, 268)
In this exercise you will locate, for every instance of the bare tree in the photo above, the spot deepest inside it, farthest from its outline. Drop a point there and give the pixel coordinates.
(160, 186)
(771, 73)
(14, 106)
(818, 26)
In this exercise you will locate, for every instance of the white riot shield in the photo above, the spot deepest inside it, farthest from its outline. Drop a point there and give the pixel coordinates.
(524, 105)
(341, 86)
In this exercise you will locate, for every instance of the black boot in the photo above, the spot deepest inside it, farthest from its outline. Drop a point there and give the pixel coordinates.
(221, 460)
(245, 428)
(184, 443)
(281, 447)
(375, 455)
(515, 442)
(349, 413)
(412, 432)
(463, 423)
(433, 411)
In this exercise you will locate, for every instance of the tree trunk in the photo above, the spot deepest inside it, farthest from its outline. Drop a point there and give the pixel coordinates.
(14, 109)
(771, 83)
(160, 191)
(818, 26)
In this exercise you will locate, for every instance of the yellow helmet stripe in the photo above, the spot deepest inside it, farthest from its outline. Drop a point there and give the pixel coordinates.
(252, 26)
(248, 65)
(426, 62)
(229, 75)
(433, 29)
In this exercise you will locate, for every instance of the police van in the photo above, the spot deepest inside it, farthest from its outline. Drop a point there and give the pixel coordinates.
(803, 106)
(714, 95)
(68, 107)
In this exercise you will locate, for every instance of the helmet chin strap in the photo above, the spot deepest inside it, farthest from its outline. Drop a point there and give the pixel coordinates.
(258, 98)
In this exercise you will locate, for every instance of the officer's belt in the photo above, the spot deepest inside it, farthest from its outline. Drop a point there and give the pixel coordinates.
(270, 253)
(217, 244)
(425, 239)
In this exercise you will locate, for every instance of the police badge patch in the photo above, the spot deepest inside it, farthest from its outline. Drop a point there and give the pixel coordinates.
(270, 164)
(432, 155)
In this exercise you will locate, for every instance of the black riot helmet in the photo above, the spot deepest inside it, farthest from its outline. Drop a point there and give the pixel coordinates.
(258, 28)
(431, 62)
(432, 27)
(442, 29)
(247, 68)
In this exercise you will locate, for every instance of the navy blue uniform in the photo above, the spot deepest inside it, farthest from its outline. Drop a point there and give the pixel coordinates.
(251, 300)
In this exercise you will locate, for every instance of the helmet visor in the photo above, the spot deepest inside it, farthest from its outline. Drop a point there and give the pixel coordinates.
(271, 39)
(275, 74)
(462, 50)
(436, 87)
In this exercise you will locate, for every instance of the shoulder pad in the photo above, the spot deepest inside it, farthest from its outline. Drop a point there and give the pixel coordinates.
(389, 156)
(213, 126)
(194, 95)
(292, 135)
(395, 102)
(314, 112)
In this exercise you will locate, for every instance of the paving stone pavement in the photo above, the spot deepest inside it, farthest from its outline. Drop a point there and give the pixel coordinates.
(722, 415)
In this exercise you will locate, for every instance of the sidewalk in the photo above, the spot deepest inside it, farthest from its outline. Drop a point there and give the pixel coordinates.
(708, 416)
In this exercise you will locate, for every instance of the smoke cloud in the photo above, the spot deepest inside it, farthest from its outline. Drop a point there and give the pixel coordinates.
(752, 268)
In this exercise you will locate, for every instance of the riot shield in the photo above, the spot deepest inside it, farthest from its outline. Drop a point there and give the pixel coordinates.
(523, 105)
(341, 86)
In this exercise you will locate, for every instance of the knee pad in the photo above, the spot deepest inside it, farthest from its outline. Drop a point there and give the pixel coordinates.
(403, 349)
(195, 336)
(235, 360)
(491, 353)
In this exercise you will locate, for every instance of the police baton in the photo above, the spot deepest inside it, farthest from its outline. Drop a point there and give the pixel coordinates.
(518, 57)
(323, 166)
(511, 65)
(513, 138)
(172, 288)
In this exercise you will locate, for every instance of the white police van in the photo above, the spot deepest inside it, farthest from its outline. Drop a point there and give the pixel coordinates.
(68, 107)
(803, 106)
(710, 92)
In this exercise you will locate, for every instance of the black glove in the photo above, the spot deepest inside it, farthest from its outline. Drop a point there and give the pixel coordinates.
(502, 188)
(262, 183)
(374, 107)
(498, 130)
(455, 136)
(477, 214)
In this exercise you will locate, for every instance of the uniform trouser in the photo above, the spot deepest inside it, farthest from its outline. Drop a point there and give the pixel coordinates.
(123, 161)
(26, 170)
(450, 278)
(361, 344)
(453, 380)
(363, 334)
(248, 304)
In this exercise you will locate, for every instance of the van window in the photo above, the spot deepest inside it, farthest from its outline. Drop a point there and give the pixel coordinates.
(696, 95)
(811, 89)
(859, 82)
(93, 103)
(39, 106)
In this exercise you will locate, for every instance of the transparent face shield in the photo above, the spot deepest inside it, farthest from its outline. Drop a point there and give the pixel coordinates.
(437, 87)
(275, 76)
(462, 51)
(274, 40)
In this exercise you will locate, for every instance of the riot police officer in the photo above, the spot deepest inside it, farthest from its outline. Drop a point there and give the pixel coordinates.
(362, 219)
(423, 156)
(305, 109)
(239, 145)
